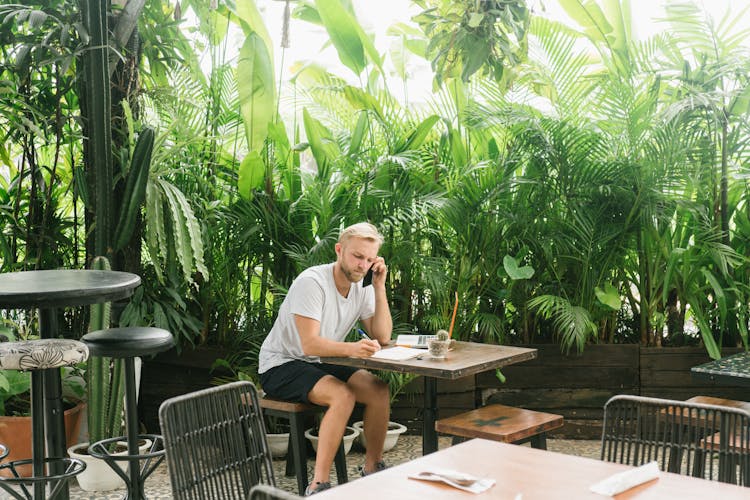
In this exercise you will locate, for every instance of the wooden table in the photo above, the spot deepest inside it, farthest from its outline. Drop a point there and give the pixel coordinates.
(732, 370)
(47, 291)
(522, 473)
(464, 359)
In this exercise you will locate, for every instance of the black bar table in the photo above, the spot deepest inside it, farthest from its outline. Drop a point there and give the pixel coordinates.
(48, 291)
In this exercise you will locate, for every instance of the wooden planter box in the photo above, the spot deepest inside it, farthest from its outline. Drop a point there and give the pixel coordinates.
(575, 386)
(170, 374)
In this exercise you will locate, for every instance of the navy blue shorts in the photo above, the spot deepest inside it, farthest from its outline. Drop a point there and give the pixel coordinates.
(294, 380)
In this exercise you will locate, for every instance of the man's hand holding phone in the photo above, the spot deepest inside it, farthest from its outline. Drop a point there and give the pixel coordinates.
(377, 273)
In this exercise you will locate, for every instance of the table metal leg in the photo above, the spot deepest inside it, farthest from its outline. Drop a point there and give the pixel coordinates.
(429, 435)
(53, 412)
(37, 430)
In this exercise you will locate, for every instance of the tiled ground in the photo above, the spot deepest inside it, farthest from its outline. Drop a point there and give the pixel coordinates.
(407, 448)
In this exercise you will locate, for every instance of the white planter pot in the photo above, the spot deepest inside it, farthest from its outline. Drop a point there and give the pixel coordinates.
(99, 476)
(349, 436)
(278, 444)
(391, 437)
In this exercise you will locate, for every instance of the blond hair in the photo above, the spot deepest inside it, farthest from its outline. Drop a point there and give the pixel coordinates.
(363, 230)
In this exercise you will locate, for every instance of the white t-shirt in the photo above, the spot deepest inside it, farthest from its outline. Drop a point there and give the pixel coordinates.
(313, 294)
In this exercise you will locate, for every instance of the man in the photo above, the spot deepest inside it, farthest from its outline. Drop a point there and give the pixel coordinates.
(322, 306)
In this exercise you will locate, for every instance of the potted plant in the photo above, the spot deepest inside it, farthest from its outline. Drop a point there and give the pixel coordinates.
(277, 436)
(391, 437)
(396, 383)
(349, 436)
(15, 407)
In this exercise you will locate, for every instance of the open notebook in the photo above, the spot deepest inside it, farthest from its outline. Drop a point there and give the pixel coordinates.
(416, 341)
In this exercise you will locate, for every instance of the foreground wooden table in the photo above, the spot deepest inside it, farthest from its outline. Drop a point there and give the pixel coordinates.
(522, 473)
(464, 359)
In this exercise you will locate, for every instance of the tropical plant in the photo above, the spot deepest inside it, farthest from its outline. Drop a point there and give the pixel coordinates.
(468, 36)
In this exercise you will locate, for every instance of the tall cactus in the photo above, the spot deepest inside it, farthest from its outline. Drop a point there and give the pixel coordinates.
(104, 377)
(97, 117)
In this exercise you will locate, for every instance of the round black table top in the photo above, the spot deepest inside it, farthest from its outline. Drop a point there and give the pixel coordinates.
(64, 287)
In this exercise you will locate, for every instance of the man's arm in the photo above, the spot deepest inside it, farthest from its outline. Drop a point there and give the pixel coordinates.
(315, 345)
(380, 325)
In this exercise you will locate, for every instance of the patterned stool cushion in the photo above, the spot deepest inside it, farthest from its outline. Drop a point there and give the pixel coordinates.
(41, 354)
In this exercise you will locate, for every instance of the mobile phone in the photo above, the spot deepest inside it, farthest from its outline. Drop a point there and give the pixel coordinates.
(367, 280)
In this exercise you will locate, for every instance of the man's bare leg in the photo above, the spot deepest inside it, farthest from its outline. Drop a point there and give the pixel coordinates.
(339, 398)
(372, 392)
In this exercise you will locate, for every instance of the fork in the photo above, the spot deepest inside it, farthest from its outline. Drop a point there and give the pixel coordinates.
(461, 481)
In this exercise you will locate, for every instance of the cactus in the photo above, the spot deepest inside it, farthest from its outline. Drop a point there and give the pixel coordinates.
(135, 188)
(442, 335)
(104, 383)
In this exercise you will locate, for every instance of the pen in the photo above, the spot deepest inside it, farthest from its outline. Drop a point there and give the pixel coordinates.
(362, 334)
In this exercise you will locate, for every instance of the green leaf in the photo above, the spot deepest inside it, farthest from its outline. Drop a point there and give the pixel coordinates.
(458, 151)
(590, 16)
(609, 296)
(419, 134)
(322, 144)
(252, 20)
(340, 25)
(516, 273)
(256, 89)
(475, 19)
(358, 134)
(251, 173)
(359, 99)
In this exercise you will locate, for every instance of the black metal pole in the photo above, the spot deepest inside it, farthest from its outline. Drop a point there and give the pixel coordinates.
(429, 435)
(131, 408)
(53, 408)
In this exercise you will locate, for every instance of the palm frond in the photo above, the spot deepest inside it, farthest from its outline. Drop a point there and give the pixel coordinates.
(572, 323)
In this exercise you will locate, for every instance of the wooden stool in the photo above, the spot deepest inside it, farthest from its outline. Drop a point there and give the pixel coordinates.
(296, 461)
(710, 400)
(502, 423)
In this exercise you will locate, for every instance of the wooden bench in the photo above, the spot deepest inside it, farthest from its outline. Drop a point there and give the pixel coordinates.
(502, 423)
(296, 462)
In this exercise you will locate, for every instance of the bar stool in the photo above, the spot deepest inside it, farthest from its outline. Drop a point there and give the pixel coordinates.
(43, 358)
(127, 344)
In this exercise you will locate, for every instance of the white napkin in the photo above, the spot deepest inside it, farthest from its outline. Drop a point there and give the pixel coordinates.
(617, 483)
(456, 479)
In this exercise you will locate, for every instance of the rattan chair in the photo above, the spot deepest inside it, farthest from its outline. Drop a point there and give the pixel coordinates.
(216, 443)
(266, 492)
(708, 441)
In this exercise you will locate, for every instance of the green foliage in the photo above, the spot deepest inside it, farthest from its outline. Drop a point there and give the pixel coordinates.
(135, 188)
(604, 191)
(257, 90)
(468, 36)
